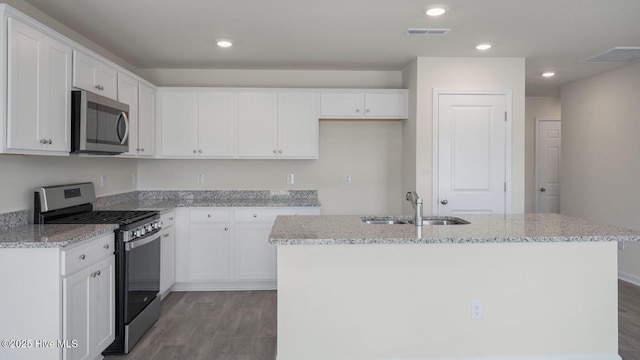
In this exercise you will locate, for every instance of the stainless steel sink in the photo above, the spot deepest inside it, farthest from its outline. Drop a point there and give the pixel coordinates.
(427, 220)
(441, 220)
(384, 222)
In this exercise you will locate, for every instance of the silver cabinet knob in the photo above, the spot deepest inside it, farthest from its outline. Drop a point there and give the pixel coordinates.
(279, 151)
(208, 215)
(543, 189)
(195, 151)
(43, 141)
(255, 215)
(366, 111)
(226, 229)
(106, 246)
(142, 149)
(200, 151)
(444, 202)
(357, 111)
(275, 151)
(82, 257)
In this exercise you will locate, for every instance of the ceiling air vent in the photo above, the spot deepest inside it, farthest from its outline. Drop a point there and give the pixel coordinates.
(615, 55)
(416, 31)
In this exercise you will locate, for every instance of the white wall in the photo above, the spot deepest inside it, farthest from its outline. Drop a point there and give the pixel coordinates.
(466, 73)
(369, 151)
(535, 107)
(21, 174)
(600, 154)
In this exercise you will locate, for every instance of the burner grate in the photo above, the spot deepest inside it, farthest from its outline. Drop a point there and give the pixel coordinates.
(104, 217)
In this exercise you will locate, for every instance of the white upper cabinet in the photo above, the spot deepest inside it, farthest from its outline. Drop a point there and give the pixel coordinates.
(146, 120)
(297, 125)
(278, 125)
(93, 75)
(197, 123)
(365, 104)
(39, 75)
(257, 125)
(141, 101)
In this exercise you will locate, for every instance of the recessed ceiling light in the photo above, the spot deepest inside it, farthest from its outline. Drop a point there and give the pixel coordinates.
(437, 10)
(224, 43)
(483, 47)
(548, 74)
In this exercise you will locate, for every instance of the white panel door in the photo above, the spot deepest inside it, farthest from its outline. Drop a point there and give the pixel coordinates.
(179, 117)
(548, 139)
(103, 292)
(216, 123)
(297, 126)
(471, 154)
(76, 325)
(257, 125)
(58, 96)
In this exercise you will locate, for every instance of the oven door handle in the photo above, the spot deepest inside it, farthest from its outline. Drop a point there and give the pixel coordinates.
(128, 246)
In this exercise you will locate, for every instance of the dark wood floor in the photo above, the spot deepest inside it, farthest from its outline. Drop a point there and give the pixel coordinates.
(241, 325)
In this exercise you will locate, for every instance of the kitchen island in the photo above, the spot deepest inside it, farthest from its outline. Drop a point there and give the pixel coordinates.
(536, 286)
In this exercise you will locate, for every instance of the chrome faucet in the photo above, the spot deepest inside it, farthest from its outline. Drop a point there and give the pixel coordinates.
(415, 200)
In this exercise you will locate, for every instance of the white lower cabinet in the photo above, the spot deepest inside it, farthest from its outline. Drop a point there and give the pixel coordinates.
(61, 301)
(228, 248)
(89, 310)
(167, 252)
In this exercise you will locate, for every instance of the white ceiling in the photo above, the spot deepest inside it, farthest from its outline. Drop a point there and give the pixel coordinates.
(355, 34)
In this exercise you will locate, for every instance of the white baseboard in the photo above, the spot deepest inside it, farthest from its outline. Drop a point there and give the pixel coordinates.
(225, 285)
(630, 278)
(542, 357)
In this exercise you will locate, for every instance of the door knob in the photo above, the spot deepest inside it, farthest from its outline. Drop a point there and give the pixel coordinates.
(543, 189)
(444, 202)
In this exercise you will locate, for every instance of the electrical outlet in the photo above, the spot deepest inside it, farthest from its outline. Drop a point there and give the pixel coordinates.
(476, 310)
(134, 179)
(200, 179)
(103, 181)
(290, 179)
(347, 179)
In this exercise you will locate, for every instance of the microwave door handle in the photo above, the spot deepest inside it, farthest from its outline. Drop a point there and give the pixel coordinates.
(123, 139)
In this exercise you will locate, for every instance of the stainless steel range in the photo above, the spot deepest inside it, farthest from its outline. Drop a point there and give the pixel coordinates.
(137, 255)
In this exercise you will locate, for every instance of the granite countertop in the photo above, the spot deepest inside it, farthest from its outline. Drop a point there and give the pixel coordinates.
(51, 236)
(165, 205)
(330, 230)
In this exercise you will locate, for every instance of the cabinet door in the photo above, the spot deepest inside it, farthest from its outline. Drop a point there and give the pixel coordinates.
(146, 120)
(76, 293)
(95, 76)
(255, 257)
(392, 106)
(103, 303)
(167, 259)
(128, 94)
(179, 112)
(107, 80)
(39, 90)
(297, 126)
(216, 123)
(257, 125)
(341, 105)
(210, 252)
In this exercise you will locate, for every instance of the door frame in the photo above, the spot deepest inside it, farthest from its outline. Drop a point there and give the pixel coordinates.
(536, 165)
(508, 93)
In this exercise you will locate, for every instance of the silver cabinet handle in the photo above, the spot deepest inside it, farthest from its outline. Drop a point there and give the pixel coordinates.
(226, 229)
(543, 189)
(106, 246)
(444, 202)
(255, 215)
(142, 149)
(166, 235)
(82, 257)
(171, 218)
(98, 273)
(357, 111)
(275, 151)
(50, 142)
(43, 141)
(94, 274)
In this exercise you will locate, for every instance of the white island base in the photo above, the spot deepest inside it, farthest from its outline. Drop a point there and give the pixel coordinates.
(554, 300)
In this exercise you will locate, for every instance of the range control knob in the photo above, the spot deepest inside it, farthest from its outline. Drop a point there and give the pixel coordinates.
(143, 231)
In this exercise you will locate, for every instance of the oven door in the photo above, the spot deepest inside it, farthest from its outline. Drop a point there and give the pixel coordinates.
(142, 274)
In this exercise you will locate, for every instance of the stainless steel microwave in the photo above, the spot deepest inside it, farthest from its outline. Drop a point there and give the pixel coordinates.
(99, 125)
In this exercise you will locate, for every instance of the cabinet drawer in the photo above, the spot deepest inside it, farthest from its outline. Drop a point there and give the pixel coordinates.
(210, 215)
(270, 214)
(168, 219)
(84, 255)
